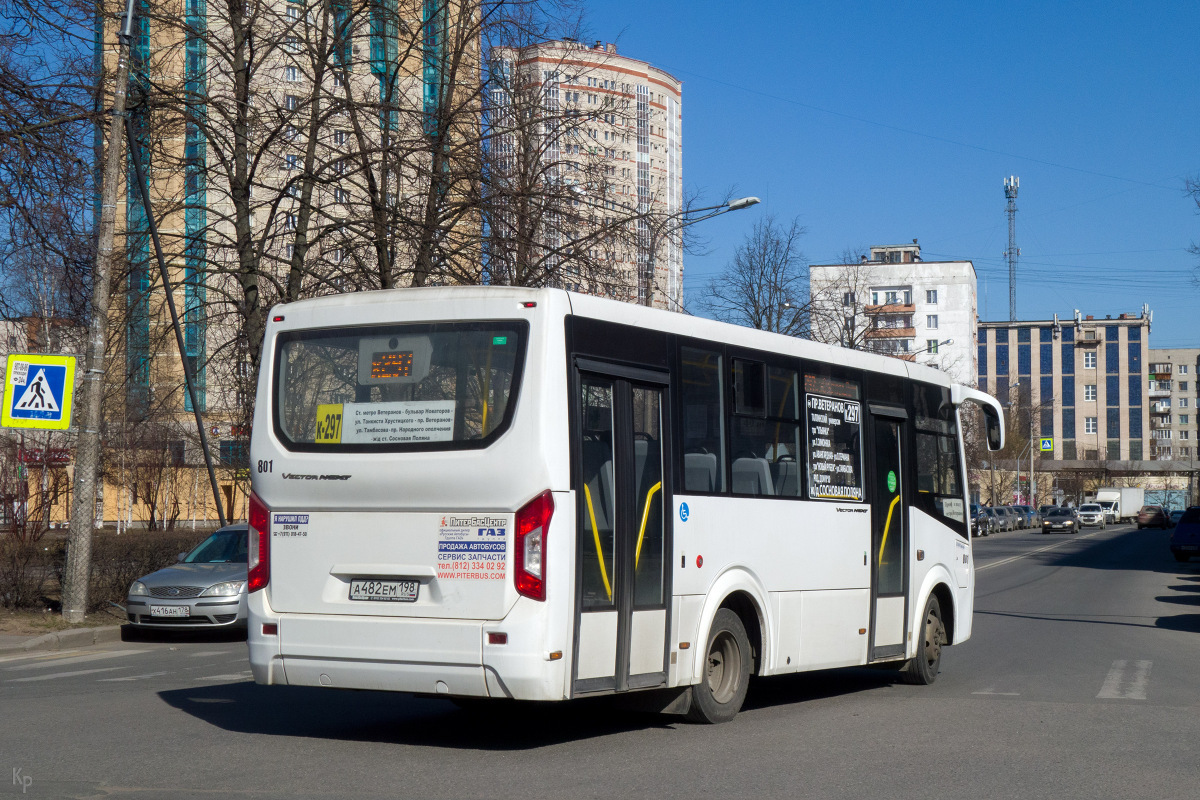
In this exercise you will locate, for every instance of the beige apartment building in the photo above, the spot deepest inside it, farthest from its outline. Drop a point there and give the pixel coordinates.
(279, 193)
(1173, 395)
(1082, 382)
(615, 142)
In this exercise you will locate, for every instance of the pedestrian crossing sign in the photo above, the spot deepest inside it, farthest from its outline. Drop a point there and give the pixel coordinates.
(1046, 445)
(38, 391)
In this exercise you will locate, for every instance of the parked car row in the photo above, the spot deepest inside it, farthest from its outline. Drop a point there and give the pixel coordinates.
(986, 520)
(1185, 538)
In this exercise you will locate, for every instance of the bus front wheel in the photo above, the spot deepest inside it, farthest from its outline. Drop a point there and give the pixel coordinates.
(726, 676)
(923, 668)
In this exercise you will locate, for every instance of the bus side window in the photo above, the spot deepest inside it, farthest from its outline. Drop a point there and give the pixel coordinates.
(939, 470)
(703, 424)
(766, 431)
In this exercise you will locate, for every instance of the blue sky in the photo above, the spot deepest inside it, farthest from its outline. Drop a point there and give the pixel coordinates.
(878, 122)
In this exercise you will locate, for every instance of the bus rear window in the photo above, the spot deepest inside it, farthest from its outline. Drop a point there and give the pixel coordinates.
(397, 387)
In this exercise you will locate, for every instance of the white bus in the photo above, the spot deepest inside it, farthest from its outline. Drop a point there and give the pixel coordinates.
(532, 494)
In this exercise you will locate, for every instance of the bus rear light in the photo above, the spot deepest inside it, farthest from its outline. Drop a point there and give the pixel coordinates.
(497, 638)
(533, 525)
(259, 556)
(270, 629)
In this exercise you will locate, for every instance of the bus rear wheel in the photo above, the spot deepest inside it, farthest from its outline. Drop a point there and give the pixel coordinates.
(923, 668)
(726, 676)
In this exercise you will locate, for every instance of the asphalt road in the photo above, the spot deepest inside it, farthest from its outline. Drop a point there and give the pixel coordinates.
(1081, 681)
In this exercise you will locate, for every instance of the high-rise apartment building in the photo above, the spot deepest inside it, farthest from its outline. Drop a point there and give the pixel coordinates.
(1173, 393)
(894, 302)
(613, 138)
(1081, 381)
(292, 150)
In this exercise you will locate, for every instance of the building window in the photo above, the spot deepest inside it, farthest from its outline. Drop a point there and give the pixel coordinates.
(339, 137)
(931, 296)
(1183, 434)
(1089, 391)
(291, 161)
(289, 222)
(1183, 419)
(931, 321)
(341, 195)
(1183, 369)
(291, 102)
(1089, 424)
(1089, 359)
(291, 74)
(931, 345)
(848, 299)
(1183, 402)
(1183, 386)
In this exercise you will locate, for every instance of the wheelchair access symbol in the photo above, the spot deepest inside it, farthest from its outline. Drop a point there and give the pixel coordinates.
(38, 391)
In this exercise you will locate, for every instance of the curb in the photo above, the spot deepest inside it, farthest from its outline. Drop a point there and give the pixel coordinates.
(80, 637)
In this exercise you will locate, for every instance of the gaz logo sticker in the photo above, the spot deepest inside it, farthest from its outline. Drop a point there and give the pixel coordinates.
(329, 424)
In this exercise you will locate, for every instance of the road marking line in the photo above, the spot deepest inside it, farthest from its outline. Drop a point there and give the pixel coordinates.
(132, 677)
(1035, 552)
(203, 653)
(999, 694)
(77, 659)
(58, 675)
(1116, 687)
(240, 676)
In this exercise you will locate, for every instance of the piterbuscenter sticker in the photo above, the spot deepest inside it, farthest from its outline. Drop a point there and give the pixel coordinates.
(471, 551)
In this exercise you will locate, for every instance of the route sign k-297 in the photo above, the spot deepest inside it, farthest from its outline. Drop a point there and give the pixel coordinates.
(38, 391)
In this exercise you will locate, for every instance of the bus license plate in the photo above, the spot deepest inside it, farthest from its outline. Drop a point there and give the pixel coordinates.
(170, 611)
(392, 591)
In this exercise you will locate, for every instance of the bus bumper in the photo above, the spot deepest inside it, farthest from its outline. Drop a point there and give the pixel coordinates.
(421, 656)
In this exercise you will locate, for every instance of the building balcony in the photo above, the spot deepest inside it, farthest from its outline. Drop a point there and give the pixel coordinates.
(891, 308)
(891, 333)
(1159, 423)
(1160, 393)
(1160, 408)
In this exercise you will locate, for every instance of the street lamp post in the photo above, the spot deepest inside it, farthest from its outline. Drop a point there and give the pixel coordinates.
(646, 281)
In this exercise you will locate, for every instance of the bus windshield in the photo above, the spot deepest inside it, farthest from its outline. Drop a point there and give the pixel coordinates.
(397, 387)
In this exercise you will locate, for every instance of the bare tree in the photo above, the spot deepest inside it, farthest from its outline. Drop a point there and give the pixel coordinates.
(766, 285)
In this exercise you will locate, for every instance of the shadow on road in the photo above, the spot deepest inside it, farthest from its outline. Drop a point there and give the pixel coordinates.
(394, 718)
(802, 687)
(488, 725)
(130, 633)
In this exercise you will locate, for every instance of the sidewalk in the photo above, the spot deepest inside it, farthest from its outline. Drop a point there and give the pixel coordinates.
(59, 640)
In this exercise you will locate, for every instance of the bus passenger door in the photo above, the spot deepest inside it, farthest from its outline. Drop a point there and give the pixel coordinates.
(889, 534)
(623, 537)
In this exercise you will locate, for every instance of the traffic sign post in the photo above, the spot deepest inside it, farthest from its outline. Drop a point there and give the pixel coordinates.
(38, 390)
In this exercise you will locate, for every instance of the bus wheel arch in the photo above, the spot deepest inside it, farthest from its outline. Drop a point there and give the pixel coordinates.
(946, 600)
(747, 610)
(726, 665)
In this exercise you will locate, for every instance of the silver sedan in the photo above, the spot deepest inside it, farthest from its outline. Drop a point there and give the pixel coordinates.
(205, 589)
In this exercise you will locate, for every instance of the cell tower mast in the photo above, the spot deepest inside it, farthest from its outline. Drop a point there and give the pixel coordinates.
(1011, 184)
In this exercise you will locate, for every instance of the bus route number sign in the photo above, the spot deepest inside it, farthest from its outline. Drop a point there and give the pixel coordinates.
(329, 424)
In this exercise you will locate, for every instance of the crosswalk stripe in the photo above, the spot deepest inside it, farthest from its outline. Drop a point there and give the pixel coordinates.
(239, 676)
(132, 677)
(42, 655)
(57, 675)
(1116, 685)
(76, 659)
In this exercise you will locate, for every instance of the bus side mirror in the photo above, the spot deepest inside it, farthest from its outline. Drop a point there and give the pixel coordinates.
(995, 435)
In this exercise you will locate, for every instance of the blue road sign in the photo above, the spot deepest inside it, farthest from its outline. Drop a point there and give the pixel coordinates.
(37, 391)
